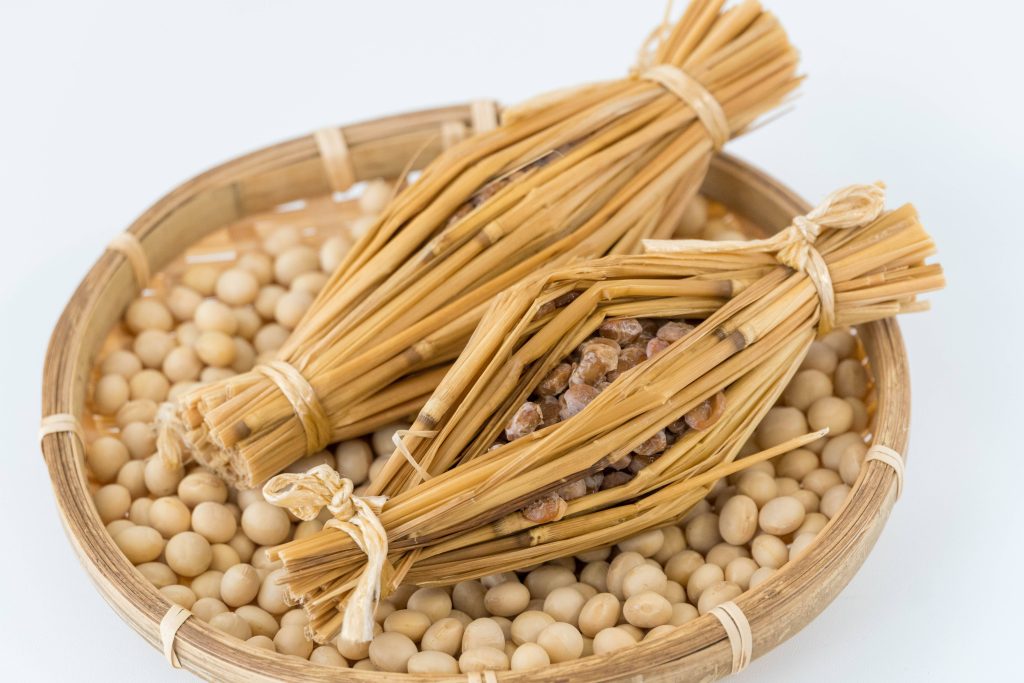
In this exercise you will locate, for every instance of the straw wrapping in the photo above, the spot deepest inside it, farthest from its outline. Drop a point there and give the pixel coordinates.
(888, 456)
(305, 495)
(337, 160)
(169, 625)
(694, 95)
(61, 422)
(737, 628)
(129, 246)
(304, 401)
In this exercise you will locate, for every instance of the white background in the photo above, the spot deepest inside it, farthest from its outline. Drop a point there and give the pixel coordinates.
(107, 105)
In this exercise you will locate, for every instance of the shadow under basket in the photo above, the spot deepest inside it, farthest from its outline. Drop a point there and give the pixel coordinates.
(294, 170)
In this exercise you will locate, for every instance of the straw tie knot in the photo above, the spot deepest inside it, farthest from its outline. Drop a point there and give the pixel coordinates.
(305, 403)
(850, 207)
(305, 495)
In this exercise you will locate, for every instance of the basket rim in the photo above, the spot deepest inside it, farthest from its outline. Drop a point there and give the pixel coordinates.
(795, 594)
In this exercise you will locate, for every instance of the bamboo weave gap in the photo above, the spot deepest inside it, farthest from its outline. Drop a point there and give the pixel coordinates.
(583, 173)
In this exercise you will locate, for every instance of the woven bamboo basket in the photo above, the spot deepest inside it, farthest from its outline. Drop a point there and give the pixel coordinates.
(294, 170)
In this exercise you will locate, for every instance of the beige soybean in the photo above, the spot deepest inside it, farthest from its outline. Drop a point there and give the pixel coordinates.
(779, 425)
(239, 585)
(618, 568)
(715, 594)
(851, 463)
(483, 632)
(483, 659)
(758, 486)
(565, 604)
(673, 541)
(643, 578)
(202, 486)
(832, 412)
(294, 262)
(546, 578)
(444, 635)
(681, 565)
(112, 502)
(682, 612)
(431, 601)
(432, 662)
(169, 516)
(800, 543)
(206, 608)
(769, 551)
(110, 394)
(408, 622)
(179, 595)
(214, 521)
(703, 577)
(834, 499)
(738, 522)
(781, 515)
(182, 365)
(215, 316)
(820, 480)
(266, 524)
(158, 574)
(837, 446)
(291, 307)
(249, 322)
(529, 656)
(105, 457)
(132, 476)
(611, 640)
(562, 642)
(595, 575)
(647, 610)
(723, 553)
(332, 251)
(117, 526)
(507, 599)
(223, 557)
(148, 314)
(262, 642)
(391, 651)
(740, 570)
(207, 584)
(646, 543)
(291, 640)
(260, 621)
(702, 532)
(152, 347)
(120, 362)
(600, 612)
(271, 595)
(149, 384)
(188, 553)
(806, 387)
(139, 438)
(797, 464)
(270, 338)
(841, 341)
(232, 624)
(528, 625)
(138, 513)
(325, 655)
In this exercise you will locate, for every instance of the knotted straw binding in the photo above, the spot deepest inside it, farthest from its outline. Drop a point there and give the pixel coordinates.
(336, 158)
(694, 95)
(128, 245)
(61, 422)
(305, 495)
(849, 207)
(169, 625)
(304, 401)
(891, 458)
(737, 628)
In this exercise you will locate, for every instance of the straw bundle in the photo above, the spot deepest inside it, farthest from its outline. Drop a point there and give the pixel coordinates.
(578, 173)
(760, 304)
